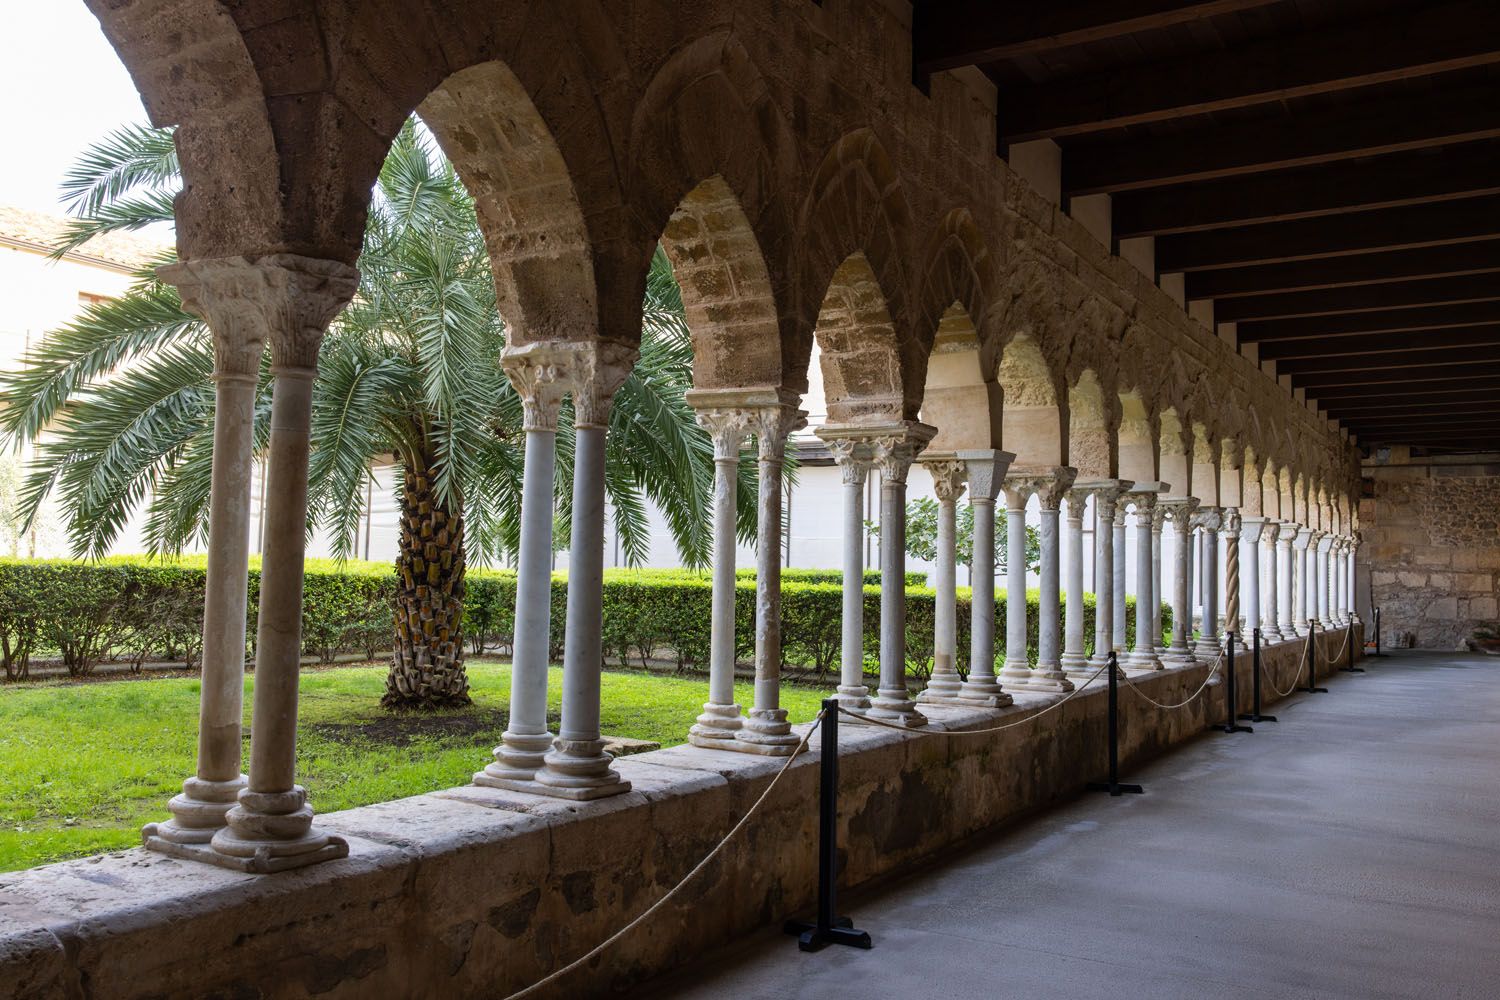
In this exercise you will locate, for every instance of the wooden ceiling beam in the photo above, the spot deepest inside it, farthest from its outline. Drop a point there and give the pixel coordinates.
(976, 32)
(1414, 361)
(1416, 178)
(1354, 298)
(1370, 128)
(1312, 383)
(1470, 338)
(1331, 397)
(1407, 227)
(1415, 318)
(1409, 42)
(1345, 272)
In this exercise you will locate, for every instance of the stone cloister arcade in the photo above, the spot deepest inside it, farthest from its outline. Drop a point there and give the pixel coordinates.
(806, 194)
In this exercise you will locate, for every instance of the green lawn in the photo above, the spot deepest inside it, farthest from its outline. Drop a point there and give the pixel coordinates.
(84, 766)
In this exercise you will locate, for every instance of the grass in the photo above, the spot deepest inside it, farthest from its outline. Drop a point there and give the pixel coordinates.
(84, 766)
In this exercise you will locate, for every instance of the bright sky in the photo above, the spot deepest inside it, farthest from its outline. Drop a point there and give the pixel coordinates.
(63, 87)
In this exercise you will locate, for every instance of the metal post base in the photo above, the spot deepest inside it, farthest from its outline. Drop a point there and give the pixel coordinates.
(1114, 788)
(811, 937)
(1256, 717)
(1231, 727)
(1351, 670)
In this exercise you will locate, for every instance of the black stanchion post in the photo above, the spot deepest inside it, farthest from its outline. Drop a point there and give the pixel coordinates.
(1230, 701)
(1349, 667)
(1312, 660)
(829, 928)
(1377, 634)
(1113, 786)
(1254, 714)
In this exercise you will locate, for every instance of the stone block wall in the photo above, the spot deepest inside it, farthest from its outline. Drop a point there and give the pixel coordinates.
(477, 892)
(1431, 547)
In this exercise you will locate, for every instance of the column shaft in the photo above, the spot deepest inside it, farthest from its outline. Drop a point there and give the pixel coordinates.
(1017, 669)
(1181, 649)
(1074, 657)
(1118, 576)
(853, 460)
(892, 701)
(721, 718)
(945, 685)
(1143, 651)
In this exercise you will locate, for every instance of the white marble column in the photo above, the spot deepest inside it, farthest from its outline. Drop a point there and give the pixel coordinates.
(1286, 616)
(948, 477)
(1106, 500)
(1158, 522)
(1018, 490)
(1118, 577)
(228, 294)
(1250, 534)
(1181, 510)
(767, 730)
(1143, 653)
(1351, 579)
(1341, 579)
(1075, 661)
(1049, 674)
(1270, 619)
(578, 767)
(986, 470)
(1323, 544)
(270, 829)
(722, 718)
(853, 458)
(1209, 520)
(894, 454)
(1302, 586)
(542, 374)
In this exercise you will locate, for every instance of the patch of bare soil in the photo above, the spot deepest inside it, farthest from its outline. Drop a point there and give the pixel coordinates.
(406, 728)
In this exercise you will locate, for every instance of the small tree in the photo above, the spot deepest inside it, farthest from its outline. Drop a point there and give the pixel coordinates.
(921, 536)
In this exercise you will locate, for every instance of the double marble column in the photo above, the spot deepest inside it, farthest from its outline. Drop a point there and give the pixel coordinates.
(1106, 494)
(1048, 486)
(1158, 522)
(1209, 521)
(260, 823)
(1286, 566)
(1303, 585)
(854, 457)
(1270, 624)
(1181, 511)
(948, 478)
(730, 416)
(986, 470)
(1322, 543)
(1074, 660)
(1143, 655)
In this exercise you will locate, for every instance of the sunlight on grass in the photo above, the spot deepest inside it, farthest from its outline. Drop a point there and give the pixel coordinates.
(83, 767)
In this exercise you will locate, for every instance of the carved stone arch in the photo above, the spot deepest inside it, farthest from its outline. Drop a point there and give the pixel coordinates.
(961, 398)
(858, 351)
(231, 201)
(958, 268)
(1138, 435)
(709, 155)
(856, 211)
(1175, 451)
(1207, 451)
(1093, 448)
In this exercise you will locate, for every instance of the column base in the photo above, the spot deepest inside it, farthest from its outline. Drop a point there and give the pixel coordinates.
(984, 691)
(942, 687)
(766, 732)
(200, 811)
(1050, 679)
(578, 770)
(1015, 673)
(895, 705)
(716, 726)
(517, 760)
(1270, 635)
(855, 698)
(1179, 656)
(1144, 660)
(266, 832)
(1076, 666)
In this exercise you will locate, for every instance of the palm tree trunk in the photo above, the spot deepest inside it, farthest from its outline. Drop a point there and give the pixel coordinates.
(427, 667)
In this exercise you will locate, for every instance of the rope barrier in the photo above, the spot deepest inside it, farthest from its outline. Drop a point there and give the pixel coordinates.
(976, 732)
(1301, 666)
(1181, 704)
(617, 935)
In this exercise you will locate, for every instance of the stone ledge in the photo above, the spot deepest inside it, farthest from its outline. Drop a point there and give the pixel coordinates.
(476, 892)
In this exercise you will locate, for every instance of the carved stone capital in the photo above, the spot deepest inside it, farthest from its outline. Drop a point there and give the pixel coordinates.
(1078, 500)
(1286, 533)
(542, 373)
(771, 426)
(949, 477)
(1158, 517)
(1208, 518)
(986, 470)
(602, 367)
(727, 427)
(1252, 529)
(1106, 493)
(1179, 509)
(1231, 524)
(284, 300)
(853, 458)
(893, 446)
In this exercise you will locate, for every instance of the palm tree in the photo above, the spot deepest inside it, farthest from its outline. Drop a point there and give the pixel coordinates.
(408, 371)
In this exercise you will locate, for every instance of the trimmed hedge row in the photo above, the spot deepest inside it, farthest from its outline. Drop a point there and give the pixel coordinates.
(135, 609)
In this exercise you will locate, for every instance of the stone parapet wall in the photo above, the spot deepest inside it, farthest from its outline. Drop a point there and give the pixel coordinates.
(1432, 549)
(476, 892)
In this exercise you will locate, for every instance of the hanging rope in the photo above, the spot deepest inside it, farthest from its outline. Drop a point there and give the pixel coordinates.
(1190, 698)
(976, 732)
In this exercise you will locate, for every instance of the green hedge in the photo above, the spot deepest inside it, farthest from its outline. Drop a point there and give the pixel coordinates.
(133, 609)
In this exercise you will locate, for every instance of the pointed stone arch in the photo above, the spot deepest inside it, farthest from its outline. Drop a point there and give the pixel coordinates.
(959, 399)
(1093, 448)
(859, 355)
(856, 209)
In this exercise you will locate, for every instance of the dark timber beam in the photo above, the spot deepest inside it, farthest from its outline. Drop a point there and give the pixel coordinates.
(1409, 42)
(1375, 321)
(1338, 272)
(1415, 178)
(1391, 294)
(1384, 376)
(975, 32)
(1436, 427)
(1402, 228)
(1402, 407)
(1414, 362)
(1233, 150)
(1412, 390)
(1344, 347)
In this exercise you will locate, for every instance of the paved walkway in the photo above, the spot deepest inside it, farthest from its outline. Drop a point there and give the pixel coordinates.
(1350, 850)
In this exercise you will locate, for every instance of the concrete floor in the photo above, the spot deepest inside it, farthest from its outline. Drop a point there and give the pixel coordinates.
(1350, 850)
